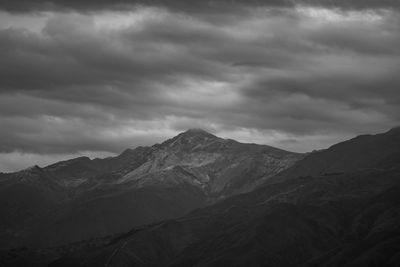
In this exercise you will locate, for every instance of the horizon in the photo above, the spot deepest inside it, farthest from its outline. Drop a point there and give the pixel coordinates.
(83, 155)
(92, 78)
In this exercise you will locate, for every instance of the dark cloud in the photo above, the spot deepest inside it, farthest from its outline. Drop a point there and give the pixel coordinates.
(49, 134)
(95, 5)
(105, 81)
(184, 5)
(63, 55)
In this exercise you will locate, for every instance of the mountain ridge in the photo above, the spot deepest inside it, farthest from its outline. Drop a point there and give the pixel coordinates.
(163, 181)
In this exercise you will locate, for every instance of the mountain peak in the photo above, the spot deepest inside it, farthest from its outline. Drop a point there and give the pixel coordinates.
(196, 131)
(191, 138)
(197, 134)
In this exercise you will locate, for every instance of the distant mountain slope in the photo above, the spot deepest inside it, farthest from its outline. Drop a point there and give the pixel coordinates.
(81, 198)
(347, 215)
(365, 152)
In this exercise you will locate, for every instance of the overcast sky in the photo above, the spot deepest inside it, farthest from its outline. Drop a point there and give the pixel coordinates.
(96, 77)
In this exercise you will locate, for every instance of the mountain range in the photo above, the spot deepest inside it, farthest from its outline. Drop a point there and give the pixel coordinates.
(81, 198)
(199, 200)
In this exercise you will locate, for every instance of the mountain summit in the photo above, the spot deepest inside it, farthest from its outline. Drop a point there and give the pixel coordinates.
(219, 167)
(197, 131)
(191, 138)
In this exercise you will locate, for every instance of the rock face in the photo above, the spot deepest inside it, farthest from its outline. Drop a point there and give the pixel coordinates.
(346, 216)
(81, 198)
(216, 166)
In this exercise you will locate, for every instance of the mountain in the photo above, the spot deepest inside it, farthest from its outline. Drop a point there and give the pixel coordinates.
(372, 152)
(339, 211)
(80, 199)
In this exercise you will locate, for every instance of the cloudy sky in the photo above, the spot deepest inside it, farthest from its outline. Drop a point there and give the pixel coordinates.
(95, 77)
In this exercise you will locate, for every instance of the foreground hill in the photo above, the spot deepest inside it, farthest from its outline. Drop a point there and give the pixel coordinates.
(342, 216)
(81, 198)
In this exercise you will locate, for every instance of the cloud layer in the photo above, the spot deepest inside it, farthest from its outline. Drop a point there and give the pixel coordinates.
(299, 77)
(193, 5)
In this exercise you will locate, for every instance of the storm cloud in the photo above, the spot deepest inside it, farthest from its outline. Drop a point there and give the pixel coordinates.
(192, 5)
(96, 77)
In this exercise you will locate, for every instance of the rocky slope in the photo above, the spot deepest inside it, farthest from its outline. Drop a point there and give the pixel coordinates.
(217, 166)
(81, 198)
